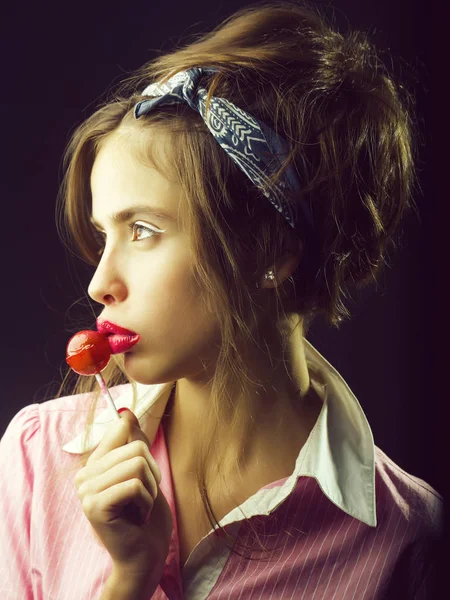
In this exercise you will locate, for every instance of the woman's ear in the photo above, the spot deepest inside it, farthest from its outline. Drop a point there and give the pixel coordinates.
(285, 266)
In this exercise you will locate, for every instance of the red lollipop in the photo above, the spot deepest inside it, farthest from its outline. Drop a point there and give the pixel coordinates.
(88, 352)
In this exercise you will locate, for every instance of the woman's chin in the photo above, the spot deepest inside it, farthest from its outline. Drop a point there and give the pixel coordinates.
(134, 368)
(137, 370)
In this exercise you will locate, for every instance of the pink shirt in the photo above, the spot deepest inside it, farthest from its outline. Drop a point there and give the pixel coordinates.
(348, 522)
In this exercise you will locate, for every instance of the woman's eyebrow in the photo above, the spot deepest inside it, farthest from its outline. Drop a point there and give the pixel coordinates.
(129, 213)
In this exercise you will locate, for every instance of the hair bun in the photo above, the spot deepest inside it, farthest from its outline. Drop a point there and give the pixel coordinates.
(359, 57)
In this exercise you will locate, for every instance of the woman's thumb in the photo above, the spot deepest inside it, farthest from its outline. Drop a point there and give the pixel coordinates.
(126, 413)
(136, 431)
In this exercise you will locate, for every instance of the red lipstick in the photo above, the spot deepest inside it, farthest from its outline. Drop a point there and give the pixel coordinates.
(120, 339)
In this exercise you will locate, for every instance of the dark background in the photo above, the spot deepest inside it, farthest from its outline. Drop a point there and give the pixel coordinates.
(57, 61)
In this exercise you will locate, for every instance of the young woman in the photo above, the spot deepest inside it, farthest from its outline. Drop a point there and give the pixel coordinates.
(230, 192)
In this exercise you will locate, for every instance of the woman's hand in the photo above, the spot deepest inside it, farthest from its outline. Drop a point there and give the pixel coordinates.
(118, 488)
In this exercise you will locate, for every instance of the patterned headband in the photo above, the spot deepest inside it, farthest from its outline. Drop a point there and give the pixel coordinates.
(251, 144)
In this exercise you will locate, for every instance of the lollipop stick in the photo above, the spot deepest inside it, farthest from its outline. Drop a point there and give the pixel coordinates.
(132, 511)
(106, 394)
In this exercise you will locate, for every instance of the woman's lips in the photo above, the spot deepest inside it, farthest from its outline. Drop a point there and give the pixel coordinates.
(120, 339)
(122, 343)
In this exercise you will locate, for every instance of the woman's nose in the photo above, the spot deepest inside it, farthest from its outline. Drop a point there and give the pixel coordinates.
(107, 286)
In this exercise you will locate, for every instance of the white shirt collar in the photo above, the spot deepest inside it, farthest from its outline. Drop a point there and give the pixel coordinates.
(339, 453)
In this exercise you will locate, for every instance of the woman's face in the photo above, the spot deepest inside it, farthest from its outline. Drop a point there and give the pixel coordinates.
(144, 278)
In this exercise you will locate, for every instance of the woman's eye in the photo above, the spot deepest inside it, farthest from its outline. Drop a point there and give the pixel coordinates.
(142, 232)
(139, 231)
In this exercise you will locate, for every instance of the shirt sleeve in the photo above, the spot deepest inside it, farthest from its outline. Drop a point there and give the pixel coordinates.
(415, 574)
(19, 449)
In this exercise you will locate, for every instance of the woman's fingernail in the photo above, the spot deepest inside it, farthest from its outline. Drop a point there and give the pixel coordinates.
(122, 409)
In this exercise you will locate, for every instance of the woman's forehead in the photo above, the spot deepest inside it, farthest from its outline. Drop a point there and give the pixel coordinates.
(120, 179)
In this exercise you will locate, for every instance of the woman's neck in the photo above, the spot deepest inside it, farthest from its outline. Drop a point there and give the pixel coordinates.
(277, 422)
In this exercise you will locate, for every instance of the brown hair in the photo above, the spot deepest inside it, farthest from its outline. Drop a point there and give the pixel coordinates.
(349, 128)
